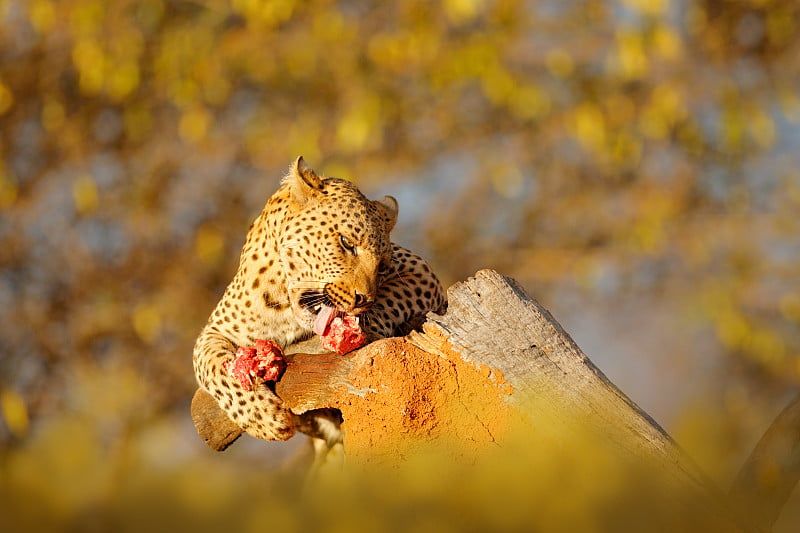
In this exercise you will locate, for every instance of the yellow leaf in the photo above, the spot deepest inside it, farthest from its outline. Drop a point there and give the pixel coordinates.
(209, 245)
(461, 11)
(194, 124)
(6, 98)
(507, 180)
(498, 85)
(620, 108)
(147, 321)
(8, 191)
(90, 60)
(15, 413)
(529, 102)
(216, 91)
(86, 18)
(631, 55)
(53, 114)
(732, 329)
(303, 138)
(138, 121)
(359, 128)
(648, 7)
(762, 129)
(667, 42)
(732, 126)
(84, 194)
(790, 105)
(665, 108)
(42, 15)
(626, 149)
(766, 347)
(781, 25)
(269, 13)
(790, 307)
(559, 63)
(123, 80)
(590, 126)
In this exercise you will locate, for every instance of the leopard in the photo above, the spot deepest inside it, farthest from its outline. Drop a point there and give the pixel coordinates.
(318, 247)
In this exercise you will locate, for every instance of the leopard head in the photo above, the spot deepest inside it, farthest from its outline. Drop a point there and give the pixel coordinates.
(334, 245)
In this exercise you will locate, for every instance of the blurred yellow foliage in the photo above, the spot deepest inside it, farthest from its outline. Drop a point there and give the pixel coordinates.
(559, 63)
(790, 103)
(90, 59)
(15, 413)
(84, 194)
(360, 126)
(8, 191)
(265, 14)
(122, 80)
(790, 306)
(6, 98)
(137, 121)
(194, 124)
(42, 15)
(649, 7)
(147, 321)
(461, 11)
(762, 128)
(781, 24)
(667, 43)
(632, 61)
(404, 51)
(303, 138)
(589, 126)
(640, 151)
(665, 109)
(529, 102)
(209, 245)
(86, 17)
(507, 180)
(53, 114)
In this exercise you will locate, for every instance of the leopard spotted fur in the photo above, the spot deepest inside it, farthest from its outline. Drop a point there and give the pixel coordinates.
(318, 239)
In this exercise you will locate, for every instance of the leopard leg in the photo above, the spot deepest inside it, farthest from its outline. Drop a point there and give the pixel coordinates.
(259, 412)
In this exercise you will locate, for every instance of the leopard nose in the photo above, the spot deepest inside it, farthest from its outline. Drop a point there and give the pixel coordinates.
(362, 300)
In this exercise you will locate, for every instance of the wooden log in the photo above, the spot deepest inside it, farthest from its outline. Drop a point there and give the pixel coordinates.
(497, 354)
(495, 362)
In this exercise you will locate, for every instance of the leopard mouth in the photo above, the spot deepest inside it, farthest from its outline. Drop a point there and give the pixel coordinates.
(313, 301)
(320, 306)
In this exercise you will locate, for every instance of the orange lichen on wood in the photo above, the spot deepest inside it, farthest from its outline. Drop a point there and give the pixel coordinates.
(400, 398)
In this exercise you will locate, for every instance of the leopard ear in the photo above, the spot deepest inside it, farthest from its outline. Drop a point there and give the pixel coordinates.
(389, 206)
(303, 181)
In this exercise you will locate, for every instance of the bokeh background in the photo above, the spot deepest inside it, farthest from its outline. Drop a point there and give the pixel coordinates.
(635, 164)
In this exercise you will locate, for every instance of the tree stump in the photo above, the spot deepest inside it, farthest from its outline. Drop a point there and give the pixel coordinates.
(496, 362)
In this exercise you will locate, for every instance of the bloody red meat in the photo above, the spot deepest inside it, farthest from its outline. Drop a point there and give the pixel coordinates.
(343, 335)
(253, 365)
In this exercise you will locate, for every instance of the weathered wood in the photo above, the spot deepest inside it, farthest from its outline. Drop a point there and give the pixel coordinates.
(212, 423)
(491, 321)
(495, 360)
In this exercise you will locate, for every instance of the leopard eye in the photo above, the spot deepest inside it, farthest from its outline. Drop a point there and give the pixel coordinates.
(347, 244)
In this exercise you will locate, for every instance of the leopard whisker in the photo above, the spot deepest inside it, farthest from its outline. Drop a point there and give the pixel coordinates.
(315, 300)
